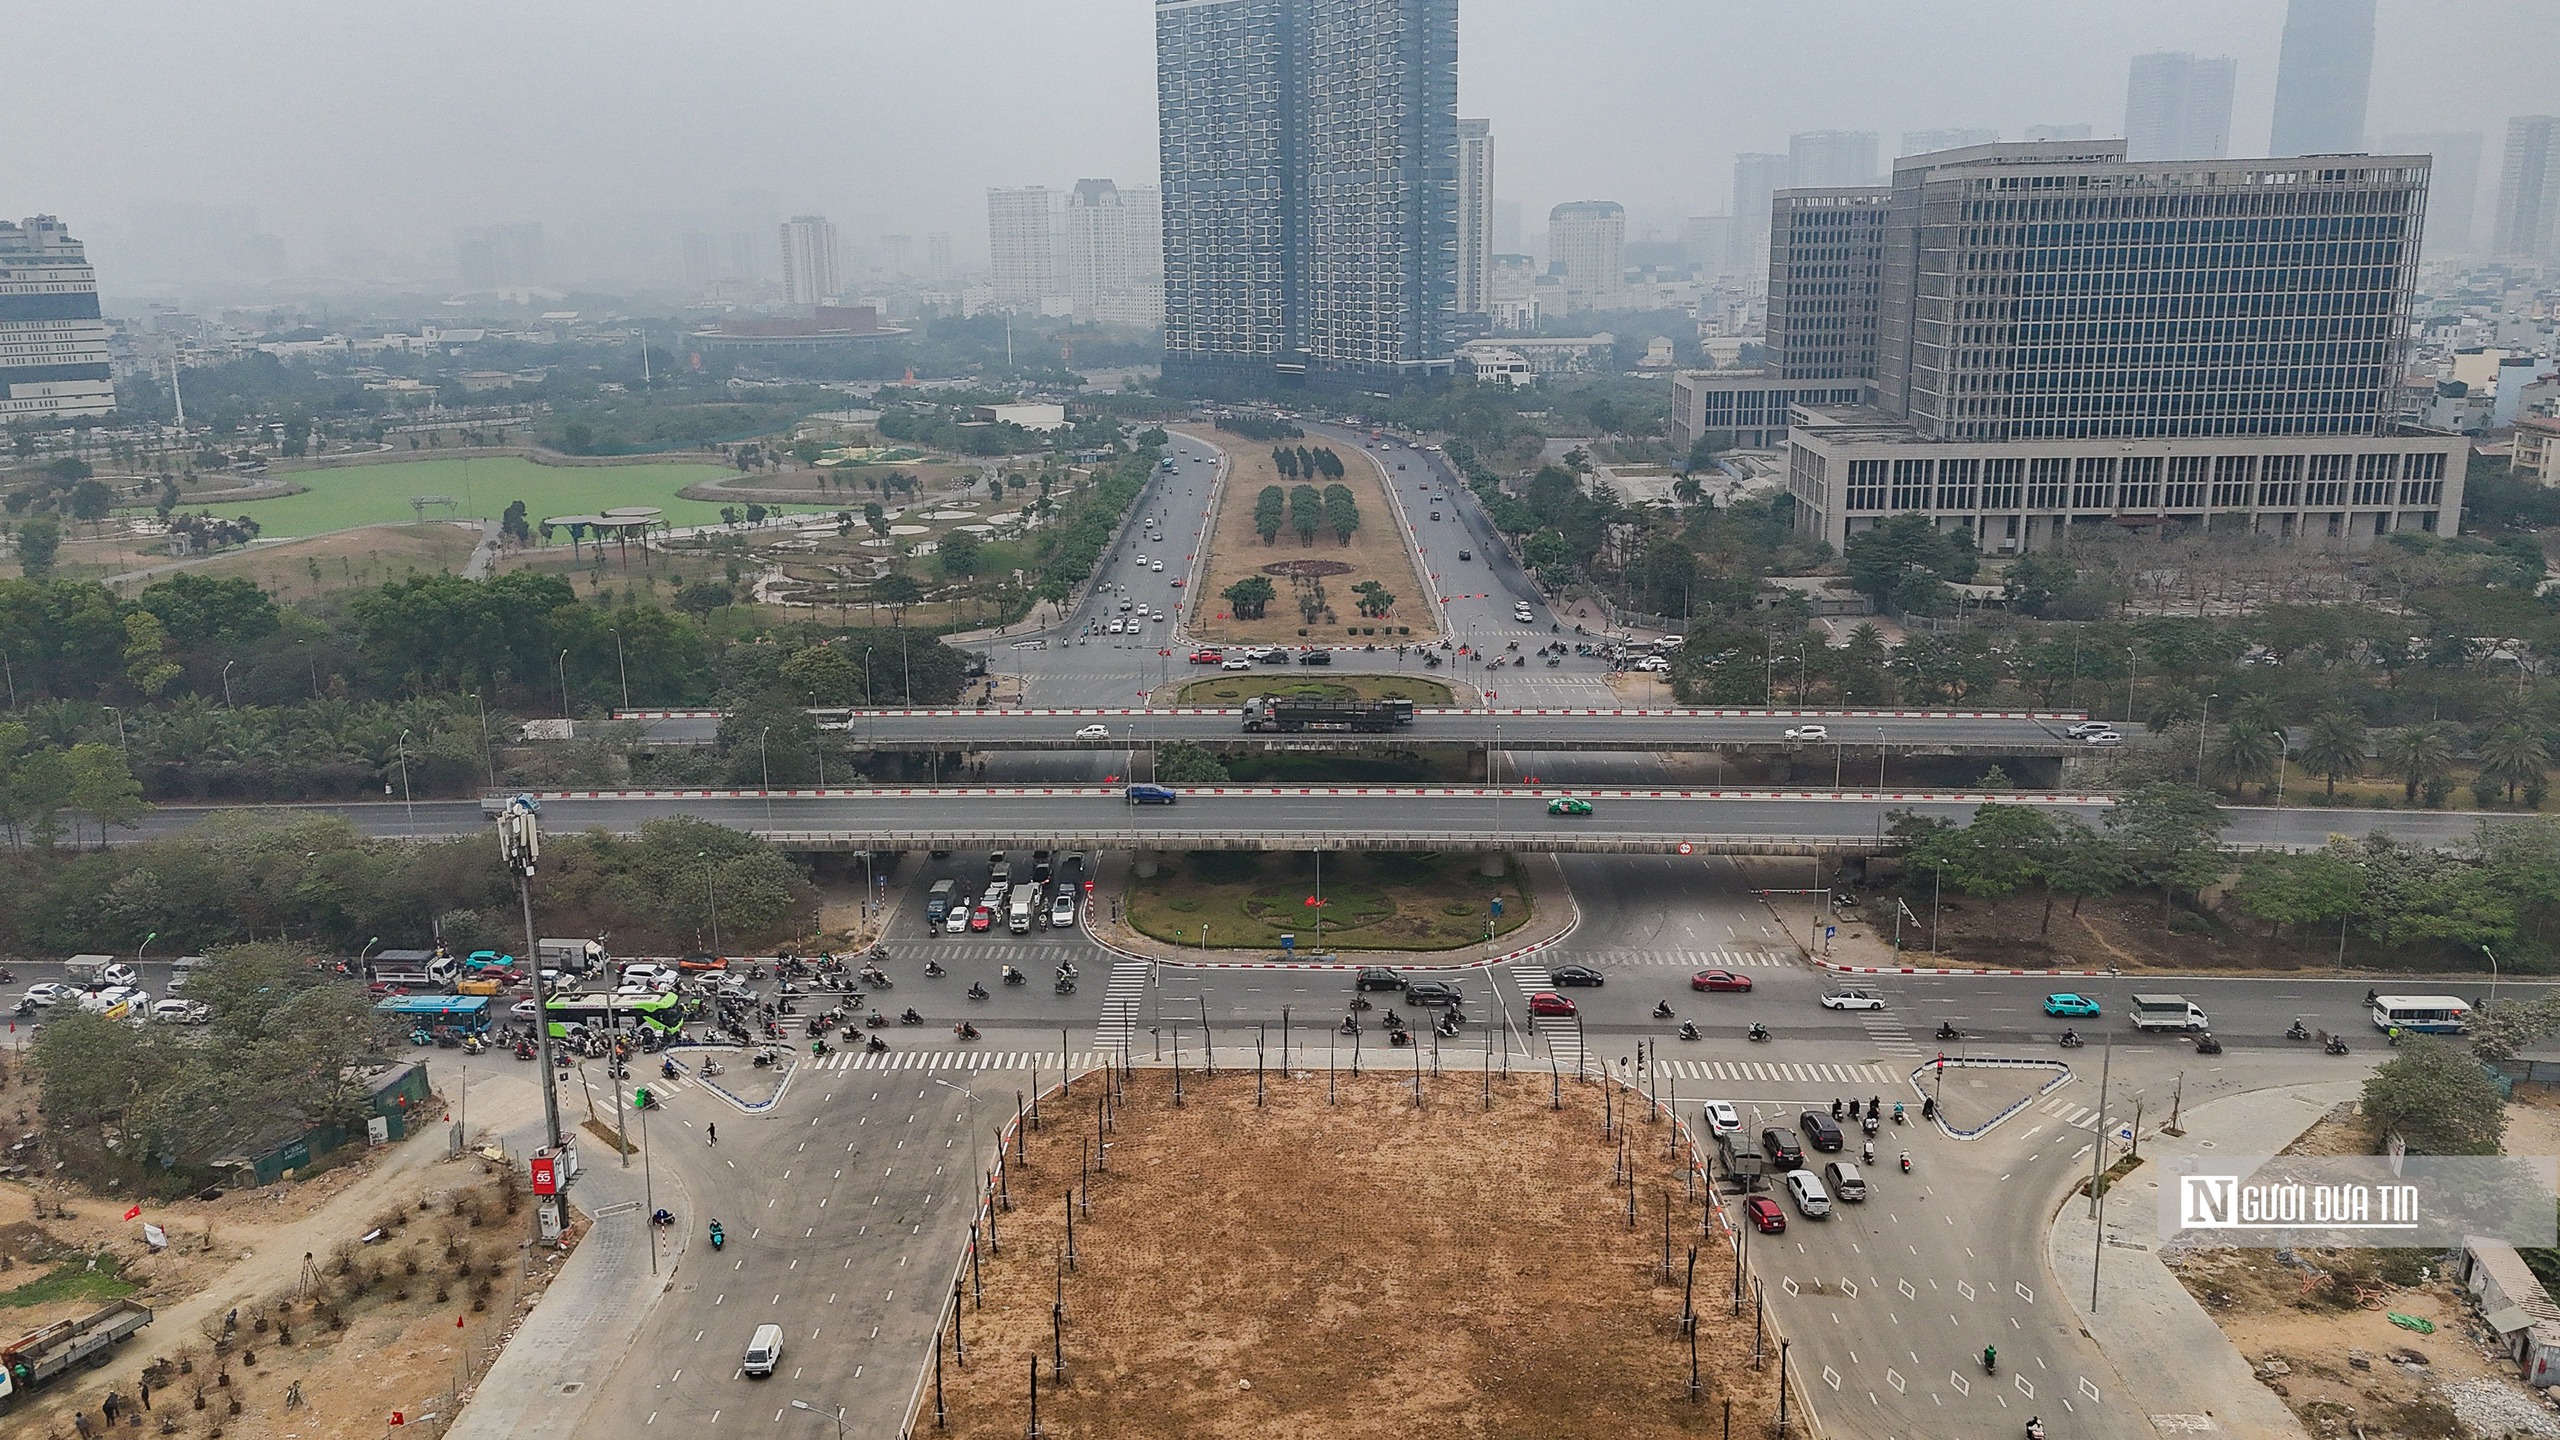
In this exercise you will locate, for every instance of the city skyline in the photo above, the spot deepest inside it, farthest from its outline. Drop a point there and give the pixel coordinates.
(358, 196)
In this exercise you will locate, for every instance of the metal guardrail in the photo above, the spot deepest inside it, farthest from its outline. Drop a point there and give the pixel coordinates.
(1581, 843)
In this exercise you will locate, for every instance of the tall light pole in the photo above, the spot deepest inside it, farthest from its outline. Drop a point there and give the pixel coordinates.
(405, 803)
(562, 665)
(121, 743)
(835, 1415)
(2132, 667)
(488, 752)
(226, 682)
(11, 672)
(712, 895)
(622, 667)
(520, 845)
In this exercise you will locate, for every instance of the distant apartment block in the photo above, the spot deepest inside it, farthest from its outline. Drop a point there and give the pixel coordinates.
(1921, 142)
(2177, 106)
(1587, 246)
(1831, 157)
(1475, 216)
(2453, 184)
(2051, 339)
(2528, 217)
(53, 345)
(2324, 76)
(1743, 409)
(501, 257)
(807, 244)
(1022, 244)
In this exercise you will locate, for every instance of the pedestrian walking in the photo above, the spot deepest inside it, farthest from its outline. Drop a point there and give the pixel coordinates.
(80, 1422)
(146, 1394)
(111, 1405)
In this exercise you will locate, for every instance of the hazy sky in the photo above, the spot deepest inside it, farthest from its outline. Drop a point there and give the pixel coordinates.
(401, 121)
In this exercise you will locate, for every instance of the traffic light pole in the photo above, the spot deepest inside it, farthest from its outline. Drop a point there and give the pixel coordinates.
(520, 844)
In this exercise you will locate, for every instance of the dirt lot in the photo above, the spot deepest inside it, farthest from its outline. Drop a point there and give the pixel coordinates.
(1375, 900)
(1377, 552)
(357, 1329)
(2318, 1330)
(1259, 1272)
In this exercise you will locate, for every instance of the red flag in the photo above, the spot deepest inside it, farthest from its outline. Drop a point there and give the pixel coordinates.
(134, 1214)
(457, 1322)
(1315, 900)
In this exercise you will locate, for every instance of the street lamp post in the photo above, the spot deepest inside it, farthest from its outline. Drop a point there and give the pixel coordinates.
(766, 761)
(562, 665)
(835, 1415)
(2132, 667)
(620, 666)
(520, 844)
(226, 682)
(712, 895)
(406, 804)
(121, 743)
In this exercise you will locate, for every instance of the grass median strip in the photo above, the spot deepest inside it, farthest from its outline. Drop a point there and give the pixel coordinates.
(1383, 900)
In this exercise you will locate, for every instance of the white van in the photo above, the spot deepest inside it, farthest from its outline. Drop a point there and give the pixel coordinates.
(763, 1352)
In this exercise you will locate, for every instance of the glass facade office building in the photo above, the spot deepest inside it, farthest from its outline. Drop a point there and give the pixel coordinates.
(2054, 298)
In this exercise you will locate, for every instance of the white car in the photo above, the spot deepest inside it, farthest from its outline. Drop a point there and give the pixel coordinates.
(522, 1010)
(2102, 737)
(45, 994)
(2087, 728)
(1521, 614)
(1807, 734)
(182, 1012)
(119, 975)
(647, 977)
(1257, 652)
(1723, 1119)
(1119, 627)
(1652, 662)
(1062, 912)
(1812, 1201)
(1238, 663)
(957, 922)
(1094, 732)
(1852, 1000)
(1159, 567)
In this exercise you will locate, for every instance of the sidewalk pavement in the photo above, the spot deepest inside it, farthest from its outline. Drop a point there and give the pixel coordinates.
(555, 1363)
(2167, 1351)
(1554, 916)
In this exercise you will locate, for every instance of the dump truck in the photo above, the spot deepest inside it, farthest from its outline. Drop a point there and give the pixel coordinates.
(1292, 713)
(47, 1353)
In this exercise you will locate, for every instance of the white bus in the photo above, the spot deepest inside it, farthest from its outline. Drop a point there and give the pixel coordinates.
(2430, 1014)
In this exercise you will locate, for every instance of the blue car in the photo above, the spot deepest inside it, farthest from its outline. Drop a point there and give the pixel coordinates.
(1151, 795)
(2066, 1004)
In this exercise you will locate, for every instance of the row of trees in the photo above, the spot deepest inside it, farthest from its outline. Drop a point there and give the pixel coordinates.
(1250, 597)
(1306, 510)
(1317, 464)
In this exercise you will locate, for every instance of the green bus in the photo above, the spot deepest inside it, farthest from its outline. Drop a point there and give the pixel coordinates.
(611, 1014)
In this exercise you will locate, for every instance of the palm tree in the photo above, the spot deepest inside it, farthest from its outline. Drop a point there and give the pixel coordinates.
(2417, 754)
(1687, 490)
(2514, 756)
(2247, 754)
(2171, 707)
(2336, 745)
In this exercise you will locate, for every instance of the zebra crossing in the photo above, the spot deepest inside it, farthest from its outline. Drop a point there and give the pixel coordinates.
(955, 1060)
(2062, 1108)
(1890, 1035)
(1775, 1072)
(1119, 1023)
(1562, 1036)
(1683, 959)
(1024, 951)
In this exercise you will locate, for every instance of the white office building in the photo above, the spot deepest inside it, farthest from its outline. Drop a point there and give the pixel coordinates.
(2177, 106)
(1587, 246)
(1022, 244)
(808, 249)
(53, 345)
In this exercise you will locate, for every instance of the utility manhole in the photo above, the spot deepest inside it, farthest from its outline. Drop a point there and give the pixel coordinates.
(573, 1387)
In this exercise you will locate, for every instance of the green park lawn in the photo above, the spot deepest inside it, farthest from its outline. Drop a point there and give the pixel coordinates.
(1374, 900)
(379, 494)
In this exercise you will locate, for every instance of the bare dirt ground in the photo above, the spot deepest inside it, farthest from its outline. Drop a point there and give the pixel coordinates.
(1366, 1268)
(1377, 552)
(2318, 1331)
(353, 1325)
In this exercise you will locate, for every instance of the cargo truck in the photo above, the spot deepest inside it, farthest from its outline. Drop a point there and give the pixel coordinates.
(46, 1354)
(1294, 713)
(2168, 1012)
(937, 901)
(1021, 908)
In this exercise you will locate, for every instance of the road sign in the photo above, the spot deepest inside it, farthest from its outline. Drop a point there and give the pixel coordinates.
(1684, 847)
(546, 1177)
(1288, 943)
(1830, 931)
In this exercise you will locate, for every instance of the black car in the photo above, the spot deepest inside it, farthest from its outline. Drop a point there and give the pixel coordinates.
(1821, 1129)
(1466, 554)
(1378, 977)
(1577, 975)
(1779, 1146)
(1432, 992)
(1316, 657)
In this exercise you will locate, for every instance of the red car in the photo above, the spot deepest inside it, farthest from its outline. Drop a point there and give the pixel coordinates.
(1766, 1215)
(1206, 657)
(1548, 1002)
(1719, 980)
(981, 918)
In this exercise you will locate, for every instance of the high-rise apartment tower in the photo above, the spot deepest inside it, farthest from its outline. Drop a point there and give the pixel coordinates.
(53, 345)
(2323, 77)
(2178, 106)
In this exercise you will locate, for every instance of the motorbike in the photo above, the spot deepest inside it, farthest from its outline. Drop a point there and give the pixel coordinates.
(818, 1046)
(2336, 1046)
(1688, 1030)
(1757, 1032)
(667, 1068)
(1553, 662)
(1662, 1010)
(873, 1044)
(1393, 1021)
(765, 1057)
(1869, 1124)
(933, 970)
(1906, 1162)
(965, 1030)
(877, 952)
(977, 991)
(2297, 1032)
(524, 1051)
(1897, 1113)
(718, 1237)
(1348, 1026)
(710, 1068)
(1947, 1031)
(1447, 1027)
(871, 975)
(911, 1017)
(1361, 1002)
(1399, 1037)
(2207, 1045)
(876, 1019)
(8, 976)
(26, 1007)
(2035, 1429)
(1014, 977)
(1990, 1360)
(2071, 1040)
(1064, 987)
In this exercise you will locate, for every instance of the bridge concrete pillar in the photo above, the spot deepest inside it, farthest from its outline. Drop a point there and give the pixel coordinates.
(1145, 864)
(1490, 865)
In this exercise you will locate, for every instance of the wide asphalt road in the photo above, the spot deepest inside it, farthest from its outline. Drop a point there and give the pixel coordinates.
(1851, 736)
(1309, 818)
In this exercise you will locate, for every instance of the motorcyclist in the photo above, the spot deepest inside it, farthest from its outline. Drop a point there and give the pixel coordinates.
(977, 991)
(933, 969)
(1990, 1357)
(713, 1132)
(1867, 1155)
(910, 1016)
(1759, 1031)
(1012, 976)
(1662, 1010)
(2070, 1035)
(1688, 1029)
(1835, 1107)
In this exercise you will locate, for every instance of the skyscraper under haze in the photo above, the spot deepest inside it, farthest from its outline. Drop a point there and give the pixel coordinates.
(2323, 78)
(1831, 157)
(1587, 241)
(2528, 223)
(1022, 244)
(1310, 157)
(53, 345)
(2177, 106)
(2453, 184)
(808, 250)
(1475, 215)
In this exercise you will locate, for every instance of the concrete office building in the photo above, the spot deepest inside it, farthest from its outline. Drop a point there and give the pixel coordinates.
(2178, 106)
(1475, 217)
(2453, 184)
(1310, 156)
(53, 345)
(1022, 244)
(501, 257)
(2323, 77)
(1831, 157)
(807, 245)
(1587, 246)
(937, 257)
(1744, 409)
(2528, 220)
(1921, 142)
(2060, 339)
